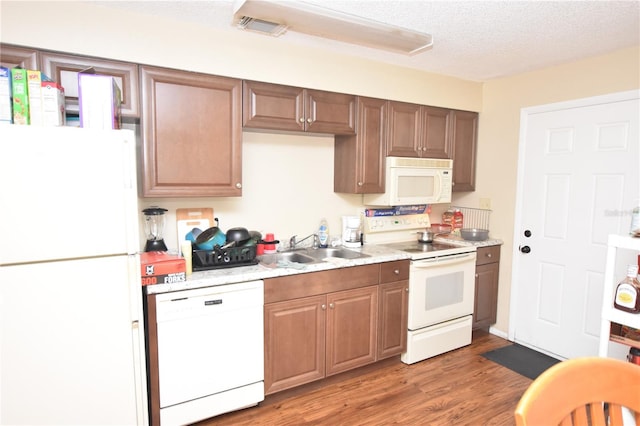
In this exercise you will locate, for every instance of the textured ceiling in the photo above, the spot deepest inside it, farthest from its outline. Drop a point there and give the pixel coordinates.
(474, 40)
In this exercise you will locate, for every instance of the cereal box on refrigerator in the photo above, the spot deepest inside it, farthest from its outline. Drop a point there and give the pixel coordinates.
(20, 91)
(99, 99)
(5, 95)
(34, 83)
(53, 110)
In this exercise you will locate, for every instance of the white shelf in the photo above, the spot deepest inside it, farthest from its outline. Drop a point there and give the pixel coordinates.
(611, 278)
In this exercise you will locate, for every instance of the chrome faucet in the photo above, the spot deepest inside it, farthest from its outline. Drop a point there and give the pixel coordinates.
(293, 242)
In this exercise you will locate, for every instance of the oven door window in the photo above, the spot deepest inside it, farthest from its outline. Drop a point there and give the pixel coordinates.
(444, 290)
(440, 292)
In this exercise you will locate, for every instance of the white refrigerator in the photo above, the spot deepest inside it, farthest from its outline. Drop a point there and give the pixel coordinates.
(71, 321)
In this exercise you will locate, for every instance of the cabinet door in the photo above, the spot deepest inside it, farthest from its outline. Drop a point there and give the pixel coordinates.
(359, 160)
(64, 70)
(404, 130)
(272, 106)
(436, 141)
(393, 309)
(328, 112)
(14, 56)
(192, 134)
(464, 136)
(486, 298)
(351, 328)
(294, 338)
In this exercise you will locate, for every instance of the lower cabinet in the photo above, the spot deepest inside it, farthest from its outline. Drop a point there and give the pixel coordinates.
(325, 323)
(486, 296)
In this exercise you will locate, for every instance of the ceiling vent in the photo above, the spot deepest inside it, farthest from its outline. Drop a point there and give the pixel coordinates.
(276, 17)
(260, 26)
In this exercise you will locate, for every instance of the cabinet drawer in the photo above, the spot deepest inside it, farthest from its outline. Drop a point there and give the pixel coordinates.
(490, 254)
(394, 271)
(322, 282)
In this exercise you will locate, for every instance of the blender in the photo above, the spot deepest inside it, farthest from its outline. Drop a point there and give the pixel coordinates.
(154, 228)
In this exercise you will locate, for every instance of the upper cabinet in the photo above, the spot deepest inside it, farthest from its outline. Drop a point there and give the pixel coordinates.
(64, 70)
(287, 108)
(359, 159)
(191, 134)
(24, 57)
(418, 131)
(464, 135)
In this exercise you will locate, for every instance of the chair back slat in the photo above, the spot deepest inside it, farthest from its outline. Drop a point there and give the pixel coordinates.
(587, 383)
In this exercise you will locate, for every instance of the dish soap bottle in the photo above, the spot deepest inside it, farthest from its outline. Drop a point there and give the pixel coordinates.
(628, 292)
(323, 234)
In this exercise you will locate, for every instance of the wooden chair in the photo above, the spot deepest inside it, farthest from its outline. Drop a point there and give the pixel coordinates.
(573, 392)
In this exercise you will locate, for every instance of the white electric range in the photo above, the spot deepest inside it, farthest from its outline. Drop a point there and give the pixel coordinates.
(441, 285)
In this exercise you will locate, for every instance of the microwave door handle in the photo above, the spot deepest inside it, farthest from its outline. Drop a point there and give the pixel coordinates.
(440, 261)
(439, 186)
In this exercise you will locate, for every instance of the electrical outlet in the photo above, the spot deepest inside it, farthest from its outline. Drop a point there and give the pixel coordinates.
(485, 203)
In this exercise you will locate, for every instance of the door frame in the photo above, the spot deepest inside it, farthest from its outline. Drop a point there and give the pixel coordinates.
(525, 113)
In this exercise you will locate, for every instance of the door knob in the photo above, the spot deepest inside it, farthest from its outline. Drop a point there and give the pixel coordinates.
(525, 249)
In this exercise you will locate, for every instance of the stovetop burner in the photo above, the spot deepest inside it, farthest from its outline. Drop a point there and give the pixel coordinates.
(419, 250)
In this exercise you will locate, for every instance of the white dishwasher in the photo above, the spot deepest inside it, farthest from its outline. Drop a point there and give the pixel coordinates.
(210, 351)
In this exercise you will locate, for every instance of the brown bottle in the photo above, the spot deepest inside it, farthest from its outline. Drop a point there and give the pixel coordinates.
(628, 292)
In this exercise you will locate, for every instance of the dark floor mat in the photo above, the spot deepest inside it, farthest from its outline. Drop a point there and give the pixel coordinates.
(521, 359)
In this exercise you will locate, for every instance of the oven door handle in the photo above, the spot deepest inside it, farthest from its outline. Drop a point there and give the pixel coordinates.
(442, 261)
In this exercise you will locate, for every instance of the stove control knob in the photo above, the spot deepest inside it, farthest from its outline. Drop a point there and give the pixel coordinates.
(525, 249)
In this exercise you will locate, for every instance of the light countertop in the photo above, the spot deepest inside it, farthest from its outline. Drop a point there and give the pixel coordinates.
(263, 270)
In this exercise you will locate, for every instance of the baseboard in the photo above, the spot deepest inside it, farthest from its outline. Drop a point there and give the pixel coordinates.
(498, 333)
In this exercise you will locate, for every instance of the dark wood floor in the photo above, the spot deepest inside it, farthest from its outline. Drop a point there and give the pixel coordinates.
(457, 388)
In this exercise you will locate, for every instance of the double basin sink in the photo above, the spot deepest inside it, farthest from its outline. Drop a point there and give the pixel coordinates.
(311, 255)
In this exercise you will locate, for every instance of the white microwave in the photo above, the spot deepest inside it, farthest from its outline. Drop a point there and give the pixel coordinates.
(414, 181)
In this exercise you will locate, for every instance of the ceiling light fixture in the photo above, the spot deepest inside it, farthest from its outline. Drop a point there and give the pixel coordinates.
(276, 17)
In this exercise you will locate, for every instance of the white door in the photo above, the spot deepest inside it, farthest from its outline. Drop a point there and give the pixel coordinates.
(577, 183)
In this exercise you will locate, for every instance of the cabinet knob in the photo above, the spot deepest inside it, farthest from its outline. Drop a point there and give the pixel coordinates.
(424, 148)
(488, 254)
(360, 184)
(477, 275)
(396, 271)
(302, 119)
(238, 185)
(309, 120)
(406, 289)
(331, 305)
(324, 307)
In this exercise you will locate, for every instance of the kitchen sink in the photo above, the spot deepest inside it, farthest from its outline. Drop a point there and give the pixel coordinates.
(296, 256)
(342, 253)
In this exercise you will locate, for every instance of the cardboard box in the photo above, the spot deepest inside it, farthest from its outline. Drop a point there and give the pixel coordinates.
(20, 92)
(99, 99)
(6, 115)
(159, 267)
(34, 83)
(53, 112)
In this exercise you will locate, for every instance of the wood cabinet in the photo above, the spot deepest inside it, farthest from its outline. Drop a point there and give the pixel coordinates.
(287, 108)
(464, 135)
(15, 56)
(486, 291)
(64, 69)
(359, 160)
(192, 134)
(393, 308)
(324, 323)
(418, 131)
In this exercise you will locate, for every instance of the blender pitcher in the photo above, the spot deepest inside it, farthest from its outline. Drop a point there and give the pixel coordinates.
(154, 228)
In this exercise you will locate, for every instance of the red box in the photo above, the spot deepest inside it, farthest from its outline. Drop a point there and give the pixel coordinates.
(159, 267)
